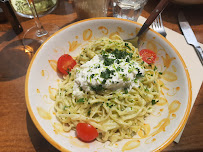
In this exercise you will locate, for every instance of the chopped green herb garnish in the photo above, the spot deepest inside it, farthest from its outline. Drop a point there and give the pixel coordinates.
(64, 108)
(147, 90)
(155, 68)
(126, 44)
(97, 66)
(68, 71)
(104, 81)
(130, 55)
(110, 105)
(97, 88)
(108, 50)
(117, 61)
(121, 54)
(135, 80)
(92, 75)
(103, 52)
(125, 91)
(119, 69)
(139, 75)
(81, 100)
(154, 102)
(89, 112)
(107, 73)
(108, 61)
(160, 73)
(130, 70)
(127, 60)
(124, 77)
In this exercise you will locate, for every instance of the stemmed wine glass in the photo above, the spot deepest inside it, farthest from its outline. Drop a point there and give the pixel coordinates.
(37, 34)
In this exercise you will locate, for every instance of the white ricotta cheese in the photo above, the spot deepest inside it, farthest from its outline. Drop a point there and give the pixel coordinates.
(118, 75)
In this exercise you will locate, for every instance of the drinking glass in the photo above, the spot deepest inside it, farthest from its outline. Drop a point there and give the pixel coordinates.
(37, 34)
(128, 9)
(91, 8)
(43, 7)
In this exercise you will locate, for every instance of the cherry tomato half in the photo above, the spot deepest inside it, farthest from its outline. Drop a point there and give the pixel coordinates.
(65, 64)
(86, 132)
(148, 56)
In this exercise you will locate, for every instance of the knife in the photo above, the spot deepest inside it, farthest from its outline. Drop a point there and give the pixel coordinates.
(189, 35)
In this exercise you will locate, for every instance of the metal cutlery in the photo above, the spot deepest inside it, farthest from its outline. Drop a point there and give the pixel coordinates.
(189, 35)
(157, 25)
(159, 8)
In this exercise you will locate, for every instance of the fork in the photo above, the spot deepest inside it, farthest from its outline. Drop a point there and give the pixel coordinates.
(157, 25)
(159, 8)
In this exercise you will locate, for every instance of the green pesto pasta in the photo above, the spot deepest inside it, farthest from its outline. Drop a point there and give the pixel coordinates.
(116, 113)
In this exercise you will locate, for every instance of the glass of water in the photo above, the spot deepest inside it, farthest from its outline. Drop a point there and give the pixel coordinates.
(91, 8)
(128, 9)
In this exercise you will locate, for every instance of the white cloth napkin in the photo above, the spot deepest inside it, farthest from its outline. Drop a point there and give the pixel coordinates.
(191, 59)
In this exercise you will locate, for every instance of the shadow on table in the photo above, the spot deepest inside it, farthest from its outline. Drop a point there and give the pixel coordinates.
(39, 142)
(8, 36)
(13, 61)
(193, 13)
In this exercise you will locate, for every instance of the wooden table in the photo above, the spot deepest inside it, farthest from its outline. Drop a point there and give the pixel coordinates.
(17, 131)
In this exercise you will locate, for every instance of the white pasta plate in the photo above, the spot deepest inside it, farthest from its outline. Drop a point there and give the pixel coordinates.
(161, 127)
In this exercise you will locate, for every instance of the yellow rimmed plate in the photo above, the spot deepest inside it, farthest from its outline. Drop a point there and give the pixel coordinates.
(161, 127)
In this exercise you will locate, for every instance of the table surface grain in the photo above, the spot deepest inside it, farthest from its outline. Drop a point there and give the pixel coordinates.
(17, 131)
